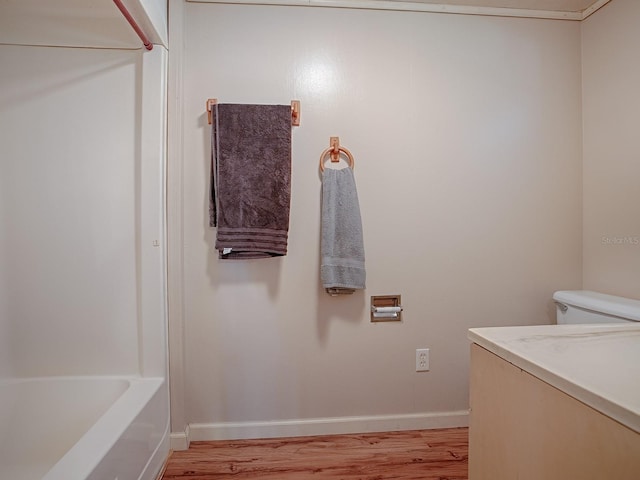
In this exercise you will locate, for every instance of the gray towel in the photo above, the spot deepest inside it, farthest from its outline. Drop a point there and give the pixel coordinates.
(342, 248)
(250, 179)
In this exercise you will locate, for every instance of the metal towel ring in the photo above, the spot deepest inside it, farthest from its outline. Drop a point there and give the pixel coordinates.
(333, 150)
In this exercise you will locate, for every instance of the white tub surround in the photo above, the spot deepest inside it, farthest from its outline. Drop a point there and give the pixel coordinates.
(82, 242)
(82, 428)
(555, 401)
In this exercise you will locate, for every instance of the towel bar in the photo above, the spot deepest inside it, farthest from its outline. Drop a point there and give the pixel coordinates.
(335, 150)
(295, 111)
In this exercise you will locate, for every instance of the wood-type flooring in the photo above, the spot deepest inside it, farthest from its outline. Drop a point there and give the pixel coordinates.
(410, 455)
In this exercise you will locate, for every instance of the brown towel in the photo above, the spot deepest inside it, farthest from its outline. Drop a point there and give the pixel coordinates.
(250, 179)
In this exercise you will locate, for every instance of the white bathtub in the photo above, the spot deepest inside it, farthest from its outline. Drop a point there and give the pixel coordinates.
(81, 428)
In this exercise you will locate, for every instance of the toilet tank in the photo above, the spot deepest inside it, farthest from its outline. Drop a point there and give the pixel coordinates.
(584, 306)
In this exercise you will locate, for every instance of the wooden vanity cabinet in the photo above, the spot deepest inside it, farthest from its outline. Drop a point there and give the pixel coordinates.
(522, 428)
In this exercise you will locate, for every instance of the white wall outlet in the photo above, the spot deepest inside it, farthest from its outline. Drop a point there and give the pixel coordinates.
(422, 360)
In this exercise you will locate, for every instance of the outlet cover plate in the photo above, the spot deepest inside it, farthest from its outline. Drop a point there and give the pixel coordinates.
(422, 360)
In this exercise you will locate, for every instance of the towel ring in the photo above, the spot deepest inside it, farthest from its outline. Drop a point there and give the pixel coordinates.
(332, 150)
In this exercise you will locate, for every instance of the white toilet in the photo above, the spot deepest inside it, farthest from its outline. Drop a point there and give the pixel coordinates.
(584, 306)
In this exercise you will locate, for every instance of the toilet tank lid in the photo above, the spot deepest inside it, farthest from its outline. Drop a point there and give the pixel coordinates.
(600, 302)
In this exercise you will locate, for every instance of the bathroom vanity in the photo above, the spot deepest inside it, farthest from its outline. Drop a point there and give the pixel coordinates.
(555, 402)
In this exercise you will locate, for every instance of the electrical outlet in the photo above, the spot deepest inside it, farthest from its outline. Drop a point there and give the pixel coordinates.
(422, 359)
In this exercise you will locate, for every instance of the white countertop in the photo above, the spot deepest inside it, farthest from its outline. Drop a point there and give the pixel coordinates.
(596, 364)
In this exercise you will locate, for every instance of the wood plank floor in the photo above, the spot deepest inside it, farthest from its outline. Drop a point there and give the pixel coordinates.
(421, 454)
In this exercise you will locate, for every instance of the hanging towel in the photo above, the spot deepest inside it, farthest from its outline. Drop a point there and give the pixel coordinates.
(250, 179)
(342, 248)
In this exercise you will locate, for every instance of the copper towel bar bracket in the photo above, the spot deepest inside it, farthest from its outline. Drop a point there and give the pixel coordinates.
(210, 103)
(334, 151)
(295, 111)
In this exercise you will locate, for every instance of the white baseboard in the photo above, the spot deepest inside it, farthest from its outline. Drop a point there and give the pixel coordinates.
(317, 426)
(180, 440)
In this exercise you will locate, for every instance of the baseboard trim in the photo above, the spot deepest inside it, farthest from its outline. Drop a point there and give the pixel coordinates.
(317, 426)
(180, 440)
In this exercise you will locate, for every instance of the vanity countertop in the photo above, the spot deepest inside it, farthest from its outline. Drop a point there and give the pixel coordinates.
(596, 364)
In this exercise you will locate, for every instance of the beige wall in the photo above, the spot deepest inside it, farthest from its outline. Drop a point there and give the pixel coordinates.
(611, 105)
(466, 132)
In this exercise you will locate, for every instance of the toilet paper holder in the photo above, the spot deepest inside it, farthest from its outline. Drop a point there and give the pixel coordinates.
(386, 308)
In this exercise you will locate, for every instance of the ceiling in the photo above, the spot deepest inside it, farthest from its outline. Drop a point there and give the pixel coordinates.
(76, 23)
(98, 23)
(561, 9)
(553, 9)
(544, 5)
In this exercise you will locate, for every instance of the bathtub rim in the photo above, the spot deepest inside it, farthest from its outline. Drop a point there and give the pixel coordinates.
(87, 453)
